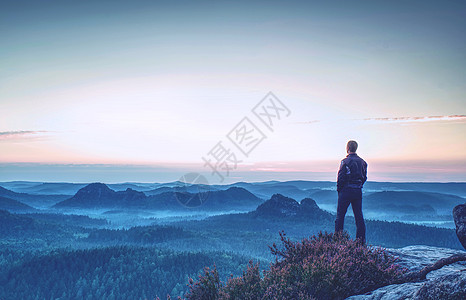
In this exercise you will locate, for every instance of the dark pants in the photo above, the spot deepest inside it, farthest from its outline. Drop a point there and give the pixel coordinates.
(346, 197)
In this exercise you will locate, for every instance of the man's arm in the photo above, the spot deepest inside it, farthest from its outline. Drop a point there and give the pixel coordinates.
(364, 172)
(341, 178)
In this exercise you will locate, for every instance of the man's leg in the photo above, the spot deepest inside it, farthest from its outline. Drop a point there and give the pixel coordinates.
(356, 204)
(343, 203)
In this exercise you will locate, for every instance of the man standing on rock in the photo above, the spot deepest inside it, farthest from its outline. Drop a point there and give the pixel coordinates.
(351, 178)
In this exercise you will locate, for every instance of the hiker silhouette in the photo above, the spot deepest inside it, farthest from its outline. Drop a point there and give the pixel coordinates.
(351, 177)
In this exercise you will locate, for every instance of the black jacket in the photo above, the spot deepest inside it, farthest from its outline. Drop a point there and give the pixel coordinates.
(352, 173)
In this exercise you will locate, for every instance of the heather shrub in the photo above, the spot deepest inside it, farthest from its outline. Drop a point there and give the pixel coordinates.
(247, 286)
(329, 266)
(326, 266)
(208, 286)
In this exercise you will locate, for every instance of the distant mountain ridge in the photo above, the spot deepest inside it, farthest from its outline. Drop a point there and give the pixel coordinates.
(8, 193)
(36, 201)
(233, 198)
(393, 200)
(411, 200)
(297, 189)
(99, 195)
(14, 205)
(48, 188)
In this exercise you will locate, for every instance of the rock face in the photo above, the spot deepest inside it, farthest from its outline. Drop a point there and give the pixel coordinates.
(308, 204)
(448, 282)
(310, 209)
(459, 215)
(284, 207)
(277, 206)
(451, 286)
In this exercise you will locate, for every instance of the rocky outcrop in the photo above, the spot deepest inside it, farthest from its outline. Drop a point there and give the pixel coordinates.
(451, 286)
(279, 206)
(310, 210)
(459, 215)
(309, 204)
(449, 280)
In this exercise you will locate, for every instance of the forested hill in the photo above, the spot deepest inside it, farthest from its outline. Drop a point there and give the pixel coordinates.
(14, 205)
(110, 273)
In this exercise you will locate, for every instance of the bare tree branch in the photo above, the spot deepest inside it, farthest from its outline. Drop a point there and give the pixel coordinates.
(421, 275)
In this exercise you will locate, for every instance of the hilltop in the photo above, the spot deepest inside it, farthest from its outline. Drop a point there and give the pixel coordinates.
(99, 195)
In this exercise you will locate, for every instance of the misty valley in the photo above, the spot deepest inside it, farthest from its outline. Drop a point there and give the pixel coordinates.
(143, 240)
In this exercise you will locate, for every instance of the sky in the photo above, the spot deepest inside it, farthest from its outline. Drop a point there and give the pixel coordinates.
(119, 91)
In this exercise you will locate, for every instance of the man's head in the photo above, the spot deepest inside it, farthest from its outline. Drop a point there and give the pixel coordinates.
(351, 147)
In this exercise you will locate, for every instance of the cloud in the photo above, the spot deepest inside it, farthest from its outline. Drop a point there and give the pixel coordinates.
(20, 134)
(404, 120)
(425, 119)
(308, 122)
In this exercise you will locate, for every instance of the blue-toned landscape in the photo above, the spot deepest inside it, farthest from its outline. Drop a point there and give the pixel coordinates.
(208, 149)
(137, 240)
